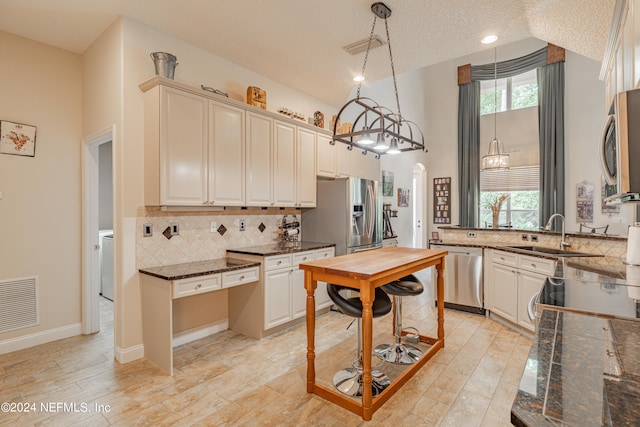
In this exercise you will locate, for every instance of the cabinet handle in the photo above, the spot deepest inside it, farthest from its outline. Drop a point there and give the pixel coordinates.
(502, 258)
(533, 265)
(279, 262)
(304, 259)
(199, 285)
(241, 278)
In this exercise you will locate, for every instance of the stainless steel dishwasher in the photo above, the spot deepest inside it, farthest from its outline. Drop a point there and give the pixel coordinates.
(463, 278)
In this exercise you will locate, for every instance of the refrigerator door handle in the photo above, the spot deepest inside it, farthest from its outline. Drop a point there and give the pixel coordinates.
(370, 211)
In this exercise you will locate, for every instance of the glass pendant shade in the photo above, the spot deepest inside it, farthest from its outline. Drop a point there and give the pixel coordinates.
(496, 158)
(366, 139)
(380, 144)
(393, 147)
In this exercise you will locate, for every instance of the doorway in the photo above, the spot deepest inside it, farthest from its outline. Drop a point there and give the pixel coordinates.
(419, 205)
(97, 215)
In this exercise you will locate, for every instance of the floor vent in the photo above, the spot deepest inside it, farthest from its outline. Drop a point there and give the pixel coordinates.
(19, 303)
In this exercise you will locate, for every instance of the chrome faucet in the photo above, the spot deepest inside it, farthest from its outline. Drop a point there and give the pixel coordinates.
(547, 227)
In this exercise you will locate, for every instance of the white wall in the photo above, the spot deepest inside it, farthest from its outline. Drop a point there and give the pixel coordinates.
(105, 187)
(40, 208)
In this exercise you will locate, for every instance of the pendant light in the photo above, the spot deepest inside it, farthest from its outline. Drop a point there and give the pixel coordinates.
(373, 122)
(496, 158)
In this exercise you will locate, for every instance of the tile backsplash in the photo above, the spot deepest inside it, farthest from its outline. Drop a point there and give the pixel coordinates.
(196, 241)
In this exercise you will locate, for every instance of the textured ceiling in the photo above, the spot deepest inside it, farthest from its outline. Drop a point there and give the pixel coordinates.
(299, 42)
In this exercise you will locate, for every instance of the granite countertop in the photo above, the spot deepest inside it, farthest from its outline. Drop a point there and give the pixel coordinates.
(277, 249)
(519, 230)
(582, 370)
(604, 265)
(199, 268)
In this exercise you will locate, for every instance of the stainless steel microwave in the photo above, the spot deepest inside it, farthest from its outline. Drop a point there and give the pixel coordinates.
(620, 147)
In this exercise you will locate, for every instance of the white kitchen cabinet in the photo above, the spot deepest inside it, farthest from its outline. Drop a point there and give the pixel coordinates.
(259, 160)
(284, 156)
(305, 168)
(226, 155)
(373, 167)
(323, 299)
(277, 296)
(176, 140)
(326, 157)
(512, 280)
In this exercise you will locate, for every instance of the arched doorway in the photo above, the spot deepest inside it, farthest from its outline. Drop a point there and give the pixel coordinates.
(419, 204)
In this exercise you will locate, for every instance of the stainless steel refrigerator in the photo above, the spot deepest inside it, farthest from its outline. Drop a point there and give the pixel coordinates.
(348, 213)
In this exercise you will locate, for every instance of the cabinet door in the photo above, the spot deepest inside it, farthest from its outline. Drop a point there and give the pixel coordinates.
(259, 161)
(326, 157)
(322, 297)
(529, 284)
(284, 157)
(373, 167)
(343, 160)
(277, 297)
(183, 148)
(505, 292)
(299, 295)
(306, 168)
(226, 155)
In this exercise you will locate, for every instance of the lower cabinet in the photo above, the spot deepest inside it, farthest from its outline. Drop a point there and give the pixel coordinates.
(511, 281)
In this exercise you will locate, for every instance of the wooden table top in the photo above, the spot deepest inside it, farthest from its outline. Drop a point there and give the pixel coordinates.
(372, 264)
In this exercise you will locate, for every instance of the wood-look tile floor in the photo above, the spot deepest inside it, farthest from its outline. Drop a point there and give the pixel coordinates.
(230, 380)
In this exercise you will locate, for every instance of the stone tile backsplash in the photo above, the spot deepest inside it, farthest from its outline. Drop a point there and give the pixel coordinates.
(196, 241)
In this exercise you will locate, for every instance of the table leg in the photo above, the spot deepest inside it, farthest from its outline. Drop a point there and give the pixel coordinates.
(366, 296)
(440, 296)
(310, 285)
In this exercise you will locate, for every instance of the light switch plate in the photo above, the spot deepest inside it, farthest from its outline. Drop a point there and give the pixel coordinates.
(175, 228)
(214, 226)
(147, 230)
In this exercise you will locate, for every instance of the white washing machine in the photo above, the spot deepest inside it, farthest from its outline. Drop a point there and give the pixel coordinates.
(106, 264)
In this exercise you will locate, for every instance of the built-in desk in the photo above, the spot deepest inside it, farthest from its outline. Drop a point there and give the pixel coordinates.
(161, 286)
(366, 271)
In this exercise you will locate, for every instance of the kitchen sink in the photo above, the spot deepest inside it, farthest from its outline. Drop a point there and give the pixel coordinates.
(541, 250)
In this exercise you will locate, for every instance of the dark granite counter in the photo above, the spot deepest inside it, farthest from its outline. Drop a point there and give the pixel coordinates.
(276, 249)
(200, 268)
(581, 371)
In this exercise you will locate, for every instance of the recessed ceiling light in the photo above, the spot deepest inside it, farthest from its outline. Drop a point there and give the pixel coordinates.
(489, 39)
(358, 78)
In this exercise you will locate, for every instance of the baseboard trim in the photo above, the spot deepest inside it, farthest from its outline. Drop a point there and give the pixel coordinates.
(38, 338)
(189, 335)
(129, 354)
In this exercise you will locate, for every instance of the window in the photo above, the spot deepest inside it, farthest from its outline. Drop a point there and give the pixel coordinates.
(515, 92)
(520, 210)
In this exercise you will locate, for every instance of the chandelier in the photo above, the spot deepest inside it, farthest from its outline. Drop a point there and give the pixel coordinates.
(496, 158)
(375, 128)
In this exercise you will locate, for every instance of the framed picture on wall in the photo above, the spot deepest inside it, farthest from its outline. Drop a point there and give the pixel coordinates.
(403, 197)
(387, 184)
(17, 139)
(441, 190)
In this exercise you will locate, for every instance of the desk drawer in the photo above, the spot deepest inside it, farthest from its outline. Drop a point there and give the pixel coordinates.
(277, 261)
(196, 285)
(240, 277)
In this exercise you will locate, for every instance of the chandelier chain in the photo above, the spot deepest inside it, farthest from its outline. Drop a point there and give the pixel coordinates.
(393, 69)
(366, 56)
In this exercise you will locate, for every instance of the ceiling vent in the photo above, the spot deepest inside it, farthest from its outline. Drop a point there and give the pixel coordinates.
(361, 46)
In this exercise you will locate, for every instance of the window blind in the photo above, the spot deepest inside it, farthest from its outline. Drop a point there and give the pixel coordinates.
(521, 178)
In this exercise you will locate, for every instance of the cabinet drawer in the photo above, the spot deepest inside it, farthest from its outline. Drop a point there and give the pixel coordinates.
(537, 265)
(325, 253)
(506, 258)
(303, 257)
(239, 277)
(277, 261)
(196, 285)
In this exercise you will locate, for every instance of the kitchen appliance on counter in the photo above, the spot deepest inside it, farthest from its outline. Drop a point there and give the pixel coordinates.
(463, 278)
(348, 213)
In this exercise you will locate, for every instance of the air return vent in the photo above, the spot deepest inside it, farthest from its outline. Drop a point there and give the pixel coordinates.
(361, 46)
(19, 303)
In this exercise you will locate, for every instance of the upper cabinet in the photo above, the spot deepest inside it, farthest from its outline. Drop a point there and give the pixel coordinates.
(339, 160)
(205, 150)
(621, 64)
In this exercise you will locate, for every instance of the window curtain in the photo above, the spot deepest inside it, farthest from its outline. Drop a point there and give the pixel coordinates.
(469, 153)
(469, 127)
(551, 123)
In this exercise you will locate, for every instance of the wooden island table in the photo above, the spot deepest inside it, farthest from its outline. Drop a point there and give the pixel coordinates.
(366, 271)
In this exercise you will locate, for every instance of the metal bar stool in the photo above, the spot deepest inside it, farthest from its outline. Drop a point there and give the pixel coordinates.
(397, 352)
(349, 380)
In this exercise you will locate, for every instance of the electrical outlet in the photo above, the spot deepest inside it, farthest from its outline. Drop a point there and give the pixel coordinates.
(147, 230)
(534, 237)
(472, 234)
(242, 225)
(525, 237)
(175, 229)
(214, 226)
